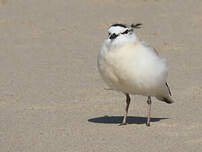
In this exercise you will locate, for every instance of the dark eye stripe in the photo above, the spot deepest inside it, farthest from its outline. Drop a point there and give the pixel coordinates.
(126, 32)
(113, 36)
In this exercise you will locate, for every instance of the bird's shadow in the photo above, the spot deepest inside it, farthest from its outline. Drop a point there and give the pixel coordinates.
(118, 120)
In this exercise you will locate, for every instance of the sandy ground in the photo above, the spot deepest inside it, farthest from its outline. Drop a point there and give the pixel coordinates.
(52, 98)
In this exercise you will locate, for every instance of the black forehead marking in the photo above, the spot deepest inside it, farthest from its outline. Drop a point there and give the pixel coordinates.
(121, 25)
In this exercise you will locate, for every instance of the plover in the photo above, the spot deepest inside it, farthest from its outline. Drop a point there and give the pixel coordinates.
(130, 66)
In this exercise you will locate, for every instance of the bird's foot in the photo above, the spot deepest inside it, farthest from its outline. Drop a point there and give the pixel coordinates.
(123, 123)
(148, 124)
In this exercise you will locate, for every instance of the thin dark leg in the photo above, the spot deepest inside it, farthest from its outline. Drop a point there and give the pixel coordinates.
(149, 110)
(126, 109)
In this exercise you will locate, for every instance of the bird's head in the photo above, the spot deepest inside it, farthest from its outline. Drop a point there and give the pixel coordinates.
(120, 33)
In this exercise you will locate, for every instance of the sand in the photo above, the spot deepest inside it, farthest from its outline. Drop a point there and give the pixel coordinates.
(52, 98)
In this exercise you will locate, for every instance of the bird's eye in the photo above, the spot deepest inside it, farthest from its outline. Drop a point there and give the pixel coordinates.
(109, 34)
(113, 36)
(126, 32)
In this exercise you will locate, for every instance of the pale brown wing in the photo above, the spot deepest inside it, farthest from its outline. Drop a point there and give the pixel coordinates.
(156, 51)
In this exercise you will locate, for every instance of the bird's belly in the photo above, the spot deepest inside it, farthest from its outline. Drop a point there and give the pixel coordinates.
(132, 72)
(122, 79)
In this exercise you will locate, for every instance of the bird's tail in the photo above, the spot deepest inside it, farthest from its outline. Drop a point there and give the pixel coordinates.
(168, 99)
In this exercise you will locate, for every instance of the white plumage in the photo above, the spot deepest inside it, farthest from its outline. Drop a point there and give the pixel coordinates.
(128, 65)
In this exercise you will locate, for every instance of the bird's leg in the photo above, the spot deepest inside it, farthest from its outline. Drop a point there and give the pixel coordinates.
(126, 109)
(148, 111)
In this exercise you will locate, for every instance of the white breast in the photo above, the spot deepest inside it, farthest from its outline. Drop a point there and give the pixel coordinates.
(133, 68)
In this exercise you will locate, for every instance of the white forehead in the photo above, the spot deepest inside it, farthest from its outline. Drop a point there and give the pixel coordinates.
(116, 29)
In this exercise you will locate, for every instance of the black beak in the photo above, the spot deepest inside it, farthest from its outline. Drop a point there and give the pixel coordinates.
(113, 36)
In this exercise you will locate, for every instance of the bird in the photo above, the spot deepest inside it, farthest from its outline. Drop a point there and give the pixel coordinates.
(130, 66)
